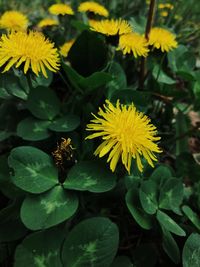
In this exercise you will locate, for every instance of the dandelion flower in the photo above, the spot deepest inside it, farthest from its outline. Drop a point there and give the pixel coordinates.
(133, 43)
(13, 20)
(61, 9)
(125, 133)
(92, 23)
(164, 14)
(162, 39)
(64, 49)
(47, 22)
(32, 49)
(93, 7)
(112, 27)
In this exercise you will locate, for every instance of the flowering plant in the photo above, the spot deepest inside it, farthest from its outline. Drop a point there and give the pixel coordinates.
(99, 153)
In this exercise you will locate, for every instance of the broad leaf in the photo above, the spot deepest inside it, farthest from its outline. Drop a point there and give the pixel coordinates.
(43, 103)
(135, 208)
(34, 171)
(191, 251)
(53, 207)
(167, 223)
(90, 176)
(91, 243)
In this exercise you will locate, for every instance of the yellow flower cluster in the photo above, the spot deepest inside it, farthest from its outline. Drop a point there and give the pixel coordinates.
(126, 134)
(61, 9)
(32, 49)
(162, 39)
(47, 22)
(93, 7)
(13, 20)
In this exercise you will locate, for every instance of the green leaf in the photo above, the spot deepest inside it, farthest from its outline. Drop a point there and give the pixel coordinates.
(160, 175)
(91, 243)
(191, 251)
(171, 194)
(34, 171)
(67, 123)
(122, 261)
(53, 207)
(118, 78)
(33, 130)
(167, 223)
(90, 176)
(88, 54)
(161, 76)
(41, 80)
(40, 249)
(43, 103)
(95, 80)
(10, 86)
(170, 246)
(192, 216)
(135, 208)
(6, 185)
(148, 196)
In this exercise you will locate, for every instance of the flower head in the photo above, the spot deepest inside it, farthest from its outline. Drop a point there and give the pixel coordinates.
(32, 49)
(162, 39)
(164, 14)
(64, 49)
(90, 6)
(133, 43)
(165, 6)
(13, 20)
(126, 133)
(47, 22)
(112, 27)
(61, 9)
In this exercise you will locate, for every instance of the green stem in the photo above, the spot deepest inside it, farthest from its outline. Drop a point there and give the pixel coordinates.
(149, 24)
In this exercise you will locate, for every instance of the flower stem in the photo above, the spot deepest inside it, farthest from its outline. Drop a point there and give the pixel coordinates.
(147, 31)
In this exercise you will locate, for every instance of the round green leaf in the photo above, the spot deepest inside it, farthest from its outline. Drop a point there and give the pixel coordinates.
(53, 207)
(135, 208)
(91, 243)
(90, 176)
(191, 251)
(40, 249)
(33, 129)
(34, 171)
(148, 196)
(67, 123)
(167, 223)
(161, 174)
(171, 194)
(43, 103)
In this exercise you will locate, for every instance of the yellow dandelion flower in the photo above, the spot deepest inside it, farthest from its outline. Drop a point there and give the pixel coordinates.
(169, 6)
(92, 23)
(64, 49)
(162, 39)
(13, 20)
(61, 9)
(47, 22)
(165, 6)
(164, 14)
(125, 133)
(32, 49)
(133, 43)
(112, 27)
(93, 7)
